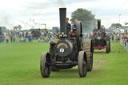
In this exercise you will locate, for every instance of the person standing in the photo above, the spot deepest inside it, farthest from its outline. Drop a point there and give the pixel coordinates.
(11, 38)
(31, 38)
(29, 34)
(74, 27)
(7, 39)
(68, 26)
(112, 37)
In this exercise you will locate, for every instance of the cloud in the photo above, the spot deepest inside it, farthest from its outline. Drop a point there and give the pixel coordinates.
(108, 11)
(43, 11)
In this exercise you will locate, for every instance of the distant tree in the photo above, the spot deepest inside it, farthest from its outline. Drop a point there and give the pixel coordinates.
(20, 27)
(86, 17)
(17, 28)
(126, 23)
(117, 25)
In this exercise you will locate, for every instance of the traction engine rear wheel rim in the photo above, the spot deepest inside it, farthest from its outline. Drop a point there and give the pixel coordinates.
(44, 67)
(82, 66)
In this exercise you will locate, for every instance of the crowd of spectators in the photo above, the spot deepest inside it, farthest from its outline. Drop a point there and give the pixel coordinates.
(12, 36)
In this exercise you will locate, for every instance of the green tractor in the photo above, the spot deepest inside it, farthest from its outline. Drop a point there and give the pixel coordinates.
(66, 52)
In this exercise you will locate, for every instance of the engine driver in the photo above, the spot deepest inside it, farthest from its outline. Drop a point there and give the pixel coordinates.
(74, 28)
(68, 26)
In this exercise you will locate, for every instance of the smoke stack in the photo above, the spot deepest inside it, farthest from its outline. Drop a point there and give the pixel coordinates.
(62, 20)
(99, 23)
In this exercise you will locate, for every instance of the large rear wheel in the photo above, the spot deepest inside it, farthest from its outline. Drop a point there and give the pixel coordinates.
(82, 65)
(45, 65)
(88, 48)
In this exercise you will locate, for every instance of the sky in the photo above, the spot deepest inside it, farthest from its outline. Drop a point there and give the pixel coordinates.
(31, 13)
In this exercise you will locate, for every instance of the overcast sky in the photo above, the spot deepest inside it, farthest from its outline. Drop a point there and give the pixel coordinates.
(27, 12)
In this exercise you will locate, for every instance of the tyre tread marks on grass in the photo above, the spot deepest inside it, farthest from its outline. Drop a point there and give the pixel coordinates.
(99, 61)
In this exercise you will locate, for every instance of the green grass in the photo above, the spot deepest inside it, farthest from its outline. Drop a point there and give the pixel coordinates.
(20, 65)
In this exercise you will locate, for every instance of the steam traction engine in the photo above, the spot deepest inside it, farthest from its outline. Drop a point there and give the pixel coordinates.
(66, 52)
(100, 39)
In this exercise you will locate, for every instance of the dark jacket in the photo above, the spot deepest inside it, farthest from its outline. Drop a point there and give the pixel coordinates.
(68, 26)
(74, 27)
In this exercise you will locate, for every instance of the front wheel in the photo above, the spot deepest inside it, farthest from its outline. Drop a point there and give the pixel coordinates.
(108, 47)
(44, 65)
(82, 65)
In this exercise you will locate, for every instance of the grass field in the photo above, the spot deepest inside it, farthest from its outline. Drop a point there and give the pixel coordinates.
(20, 62)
